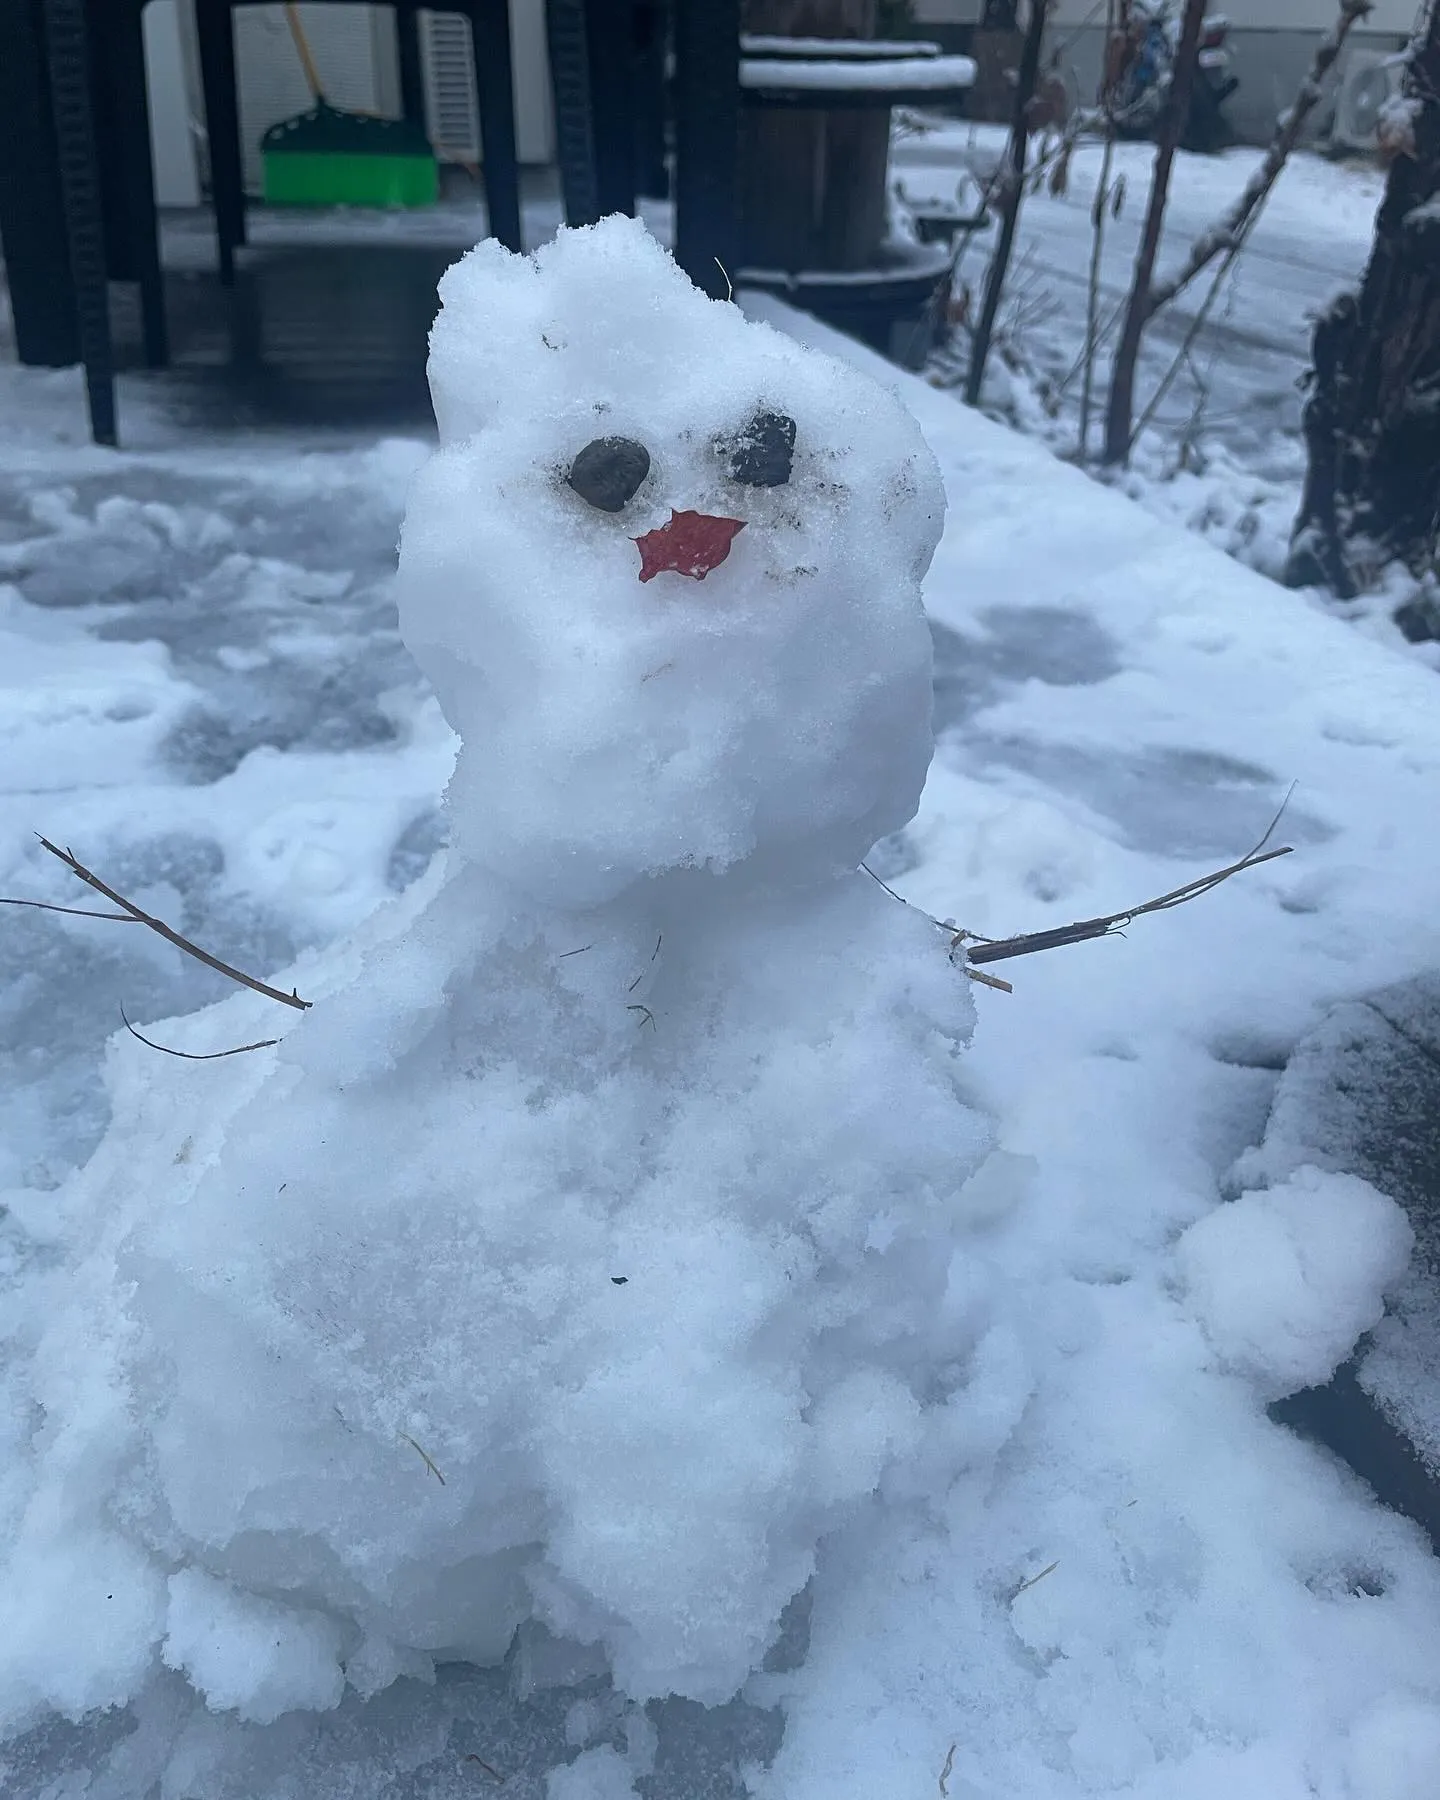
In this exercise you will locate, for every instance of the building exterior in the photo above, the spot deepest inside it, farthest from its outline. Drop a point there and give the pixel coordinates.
(1272, 40)
(356, 52)
(356, 55)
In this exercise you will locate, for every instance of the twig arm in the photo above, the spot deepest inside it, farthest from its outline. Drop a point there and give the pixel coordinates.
(129, 908)
(196, 1055)
(1085, 929)
(74, 912)
(988, 950)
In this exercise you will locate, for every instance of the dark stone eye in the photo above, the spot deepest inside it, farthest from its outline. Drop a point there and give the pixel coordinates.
(761, 456)
(608, 471)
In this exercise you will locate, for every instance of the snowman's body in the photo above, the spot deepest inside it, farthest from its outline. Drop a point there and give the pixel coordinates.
(586, 1252)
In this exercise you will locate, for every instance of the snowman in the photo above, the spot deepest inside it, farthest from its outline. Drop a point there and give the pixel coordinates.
(599, 1243)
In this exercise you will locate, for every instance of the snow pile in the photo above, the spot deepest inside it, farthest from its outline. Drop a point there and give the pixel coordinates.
(1287, 1278)
(1153, 1591)
(601, 1238)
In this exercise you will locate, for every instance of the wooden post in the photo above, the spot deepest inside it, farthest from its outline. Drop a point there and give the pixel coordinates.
(813, 180)
(32, 209)
(495, 85)
(80, 183)
(567, 41)
(410, 64)
(215, 40)
(609, 31)
(707, 141)
(127, 178)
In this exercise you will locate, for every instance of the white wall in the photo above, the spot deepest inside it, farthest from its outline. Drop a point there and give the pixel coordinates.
(172, 115)
(534, 108)
(354, 49)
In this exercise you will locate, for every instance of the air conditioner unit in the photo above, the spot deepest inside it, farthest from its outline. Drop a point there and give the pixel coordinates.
(452, 111)
(1370, 80)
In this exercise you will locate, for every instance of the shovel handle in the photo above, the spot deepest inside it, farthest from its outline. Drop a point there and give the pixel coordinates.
(302, 47)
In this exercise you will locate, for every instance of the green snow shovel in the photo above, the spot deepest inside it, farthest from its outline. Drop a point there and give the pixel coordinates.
(326, 157)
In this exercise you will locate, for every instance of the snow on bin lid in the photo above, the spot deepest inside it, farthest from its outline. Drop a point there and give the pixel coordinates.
(888, 74)
(754, 43)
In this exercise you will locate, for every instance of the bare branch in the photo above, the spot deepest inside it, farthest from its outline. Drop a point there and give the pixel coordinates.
(1012, 194)
(131, 911)
(1030, 942)
(988, 950)
(196, 1055)
(1229, 233)
(75, 912)
(1097, 245)
(1086, 929)
(1120, 411)
(1193, 330)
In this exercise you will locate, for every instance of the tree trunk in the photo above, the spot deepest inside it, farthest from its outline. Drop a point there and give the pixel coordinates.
(1372, 418)
(1011, 195)
(1120, 415)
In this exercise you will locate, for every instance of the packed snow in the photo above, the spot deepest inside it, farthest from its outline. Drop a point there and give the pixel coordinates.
(931, 74)
(641, 1269)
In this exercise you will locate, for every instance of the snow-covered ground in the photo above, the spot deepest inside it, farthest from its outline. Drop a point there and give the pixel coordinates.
(1223, 455)
(1137, 1585)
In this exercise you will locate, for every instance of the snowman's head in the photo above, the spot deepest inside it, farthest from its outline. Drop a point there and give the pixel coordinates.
(664, 573)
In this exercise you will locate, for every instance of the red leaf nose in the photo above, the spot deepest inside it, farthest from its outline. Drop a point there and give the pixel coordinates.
(691, 544)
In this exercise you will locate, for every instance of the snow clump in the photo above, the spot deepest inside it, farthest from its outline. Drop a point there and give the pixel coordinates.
(1285, 1279)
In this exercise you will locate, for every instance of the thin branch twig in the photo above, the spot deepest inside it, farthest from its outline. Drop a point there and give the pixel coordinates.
(159, 926)
(956, 937)
(1012, 195)
(75, 912)
(988, 950)
(1197, 324)
(425, 1457)
(196, 1055)
(1255, 192)
(1085, 929)
(1120, 407)
(1025, 1586)
(1029, 942)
